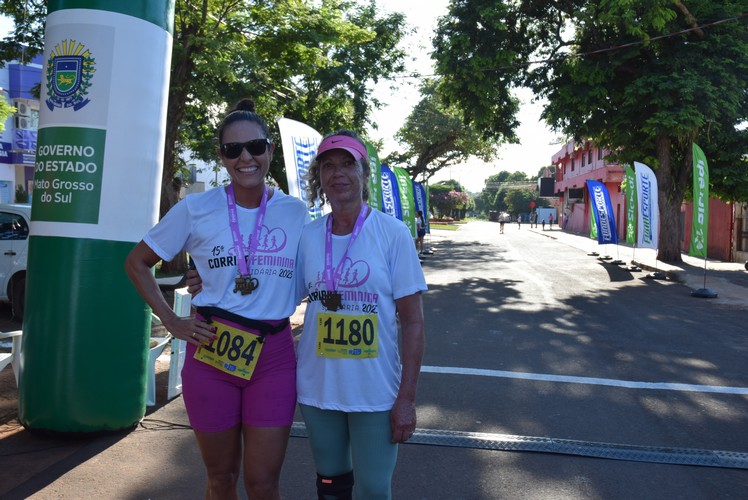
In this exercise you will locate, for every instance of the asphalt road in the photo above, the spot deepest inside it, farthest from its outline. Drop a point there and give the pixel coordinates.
(593, 345)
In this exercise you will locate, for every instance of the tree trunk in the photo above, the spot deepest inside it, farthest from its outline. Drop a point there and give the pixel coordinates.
(181, 71)
(672, 181)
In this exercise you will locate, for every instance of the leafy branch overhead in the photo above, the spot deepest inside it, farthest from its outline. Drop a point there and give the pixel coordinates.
(435, 137)
(645, 79)
(315, 62)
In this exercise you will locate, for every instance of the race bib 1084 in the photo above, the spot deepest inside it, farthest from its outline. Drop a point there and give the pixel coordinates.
(344, 336)
(234, 351)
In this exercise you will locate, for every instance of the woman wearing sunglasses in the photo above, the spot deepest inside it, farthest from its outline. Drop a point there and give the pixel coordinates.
(239, 373)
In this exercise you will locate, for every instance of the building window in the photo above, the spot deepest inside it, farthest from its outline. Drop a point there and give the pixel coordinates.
(583, 157)
(589, 156)
(572, 164)
(599, 153)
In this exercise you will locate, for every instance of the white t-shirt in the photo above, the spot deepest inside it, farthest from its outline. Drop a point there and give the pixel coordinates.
(199, 224)
(381, 266)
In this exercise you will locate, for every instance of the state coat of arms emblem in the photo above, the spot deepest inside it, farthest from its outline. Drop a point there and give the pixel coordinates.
(70, 68)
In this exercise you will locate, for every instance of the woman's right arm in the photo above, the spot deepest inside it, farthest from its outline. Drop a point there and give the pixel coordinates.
(138, 267)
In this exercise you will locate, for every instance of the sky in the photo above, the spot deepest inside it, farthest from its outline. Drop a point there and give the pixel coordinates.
(6, 26)
(537, 142)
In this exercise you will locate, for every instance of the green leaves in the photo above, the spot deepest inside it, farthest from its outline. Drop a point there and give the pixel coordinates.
(313, 62)
(435, 137)
(643, 78)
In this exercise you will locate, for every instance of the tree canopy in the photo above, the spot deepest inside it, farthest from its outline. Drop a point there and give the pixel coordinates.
(508, 192)
(449, 199)
(5, 111)
(435, 137)
(312, 61)
(644, 78)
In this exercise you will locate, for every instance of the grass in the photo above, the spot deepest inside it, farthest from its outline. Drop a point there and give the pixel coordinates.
(445, 226)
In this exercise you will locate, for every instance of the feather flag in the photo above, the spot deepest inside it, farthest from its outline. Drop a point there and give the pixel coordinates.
(603, 211)
(700, 224)
(407, 203)
(422, 203)
(375, 178)
(630, 205)
(390, 193)
(648, 226)
(300, 143)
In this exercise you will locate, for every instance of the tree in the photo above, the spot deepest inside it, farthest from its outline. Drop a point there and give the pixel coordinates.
(728, 170)
(497, 188)
(436, 138)
(29, 29)
(5, 111)
(643, 78)
(550, 170)
(311, 61)
(449, 199)
(465, 48)
(518, 200)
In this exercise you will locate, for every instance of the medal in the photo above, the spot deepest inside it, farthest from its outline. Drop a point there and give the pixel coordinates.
(332, 301)
(245, 284)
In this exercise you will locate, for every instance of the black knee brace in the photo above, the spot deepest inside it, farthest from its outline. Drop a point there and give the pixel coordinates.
(335, 487)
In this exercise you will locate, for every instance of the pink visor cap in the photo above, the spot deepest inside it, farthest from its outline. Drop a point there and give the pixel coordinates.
(355, 148)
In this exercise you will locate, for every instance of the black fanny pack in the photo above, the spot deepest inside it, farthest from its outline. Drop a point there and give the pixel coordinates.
(263, 327)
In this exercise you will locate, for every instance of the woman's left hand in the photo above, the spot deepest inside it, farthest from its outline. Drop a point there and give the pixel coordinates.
(403, 420)
(403, 414)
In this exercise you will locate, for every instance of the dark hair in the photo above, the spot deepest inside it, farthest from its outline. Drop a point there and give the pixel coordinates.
(314, 184)
(243, 110)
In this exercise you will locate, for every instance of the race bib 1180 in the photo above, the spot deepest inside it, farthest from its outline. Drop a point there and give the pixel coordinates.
(343, 336)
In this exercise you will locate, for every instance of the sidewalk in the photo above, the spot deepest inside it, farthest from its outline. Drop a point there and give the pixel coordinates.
(728, 279)
(159, 458)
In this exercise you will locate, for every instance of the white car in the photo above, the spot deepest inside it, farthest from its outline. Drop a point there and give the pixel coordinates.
(14, 245)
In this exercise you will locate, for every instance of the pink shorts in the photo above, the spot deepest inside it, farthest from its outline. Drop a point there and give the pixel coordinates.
(216, 401)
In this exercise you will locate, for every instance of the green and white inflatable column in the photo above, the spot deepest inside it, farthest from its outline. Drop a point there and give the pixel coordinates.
(96, 192)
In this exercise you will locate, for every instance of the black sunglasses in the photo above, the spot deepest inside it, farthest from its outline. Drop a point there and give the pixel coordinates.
(255, 147)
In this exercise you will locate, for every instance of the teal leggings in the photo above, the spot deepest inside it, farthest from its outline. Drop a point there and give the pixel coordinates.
(343, 440)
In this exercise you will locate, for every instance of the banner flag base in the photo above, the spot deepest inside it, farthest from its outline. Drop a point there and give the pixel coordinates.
(704, 293)
(657, 275)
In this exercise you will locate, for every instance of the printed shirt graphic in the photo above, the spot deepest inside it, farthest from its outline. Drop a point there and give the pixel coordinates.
(382, 266)
(199, 224)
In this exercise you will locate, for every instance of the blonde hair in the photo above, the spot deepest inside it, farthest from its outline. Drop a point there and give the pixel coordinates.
(314, 189)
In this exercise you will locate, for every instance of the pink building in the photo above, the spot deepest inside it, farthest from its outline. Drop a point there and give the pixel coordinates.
(575, 163)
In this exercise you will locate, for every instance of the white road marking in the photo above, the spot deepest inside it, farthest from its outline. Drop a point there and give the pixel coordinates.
(626, 384)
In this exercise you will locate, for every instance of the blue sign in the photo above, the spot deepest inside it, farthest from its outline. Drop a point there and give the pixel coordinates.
(24, 139)
(5, 156)
(390, 194)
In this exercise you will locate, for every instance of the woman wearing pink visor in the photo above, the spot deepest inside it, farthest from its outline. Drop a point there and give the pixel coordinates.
(360, 271)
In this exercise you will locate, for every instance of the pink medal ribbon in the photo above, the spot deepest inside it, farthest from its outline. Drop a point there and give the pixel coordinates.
(244, 283)
(332, 299)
